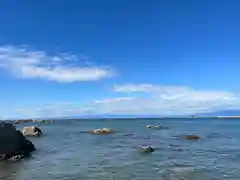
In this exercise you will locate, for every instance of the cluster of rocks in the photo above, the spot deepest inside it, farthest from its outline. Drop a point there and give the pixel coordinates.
(149, 149)
(187, 137)
(13, 144)
(145, 149)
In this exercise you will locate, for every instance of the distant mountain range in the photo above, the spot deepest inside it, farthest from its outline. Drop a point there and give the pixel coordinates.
(119, 116)
(222, 113)
(101, 116)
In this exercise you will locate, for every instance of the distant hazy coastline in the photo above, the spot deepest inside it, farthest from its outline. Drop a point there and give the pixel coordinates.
(52, 120)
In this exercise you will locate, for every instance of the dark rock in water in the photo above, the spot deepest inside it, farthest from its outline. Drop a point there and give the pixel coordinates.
(13, 144)
(192, 137)
(147, 149)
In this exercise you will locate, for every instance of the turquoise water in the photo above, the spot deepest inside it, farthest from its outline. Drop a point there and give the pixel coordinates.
(65, 152)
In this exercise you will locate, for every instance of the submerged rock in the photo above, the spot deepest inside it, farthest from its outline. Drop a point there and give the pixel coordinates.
(13, 145)
(102, 131)
(183, 170)
(192, 137)
(31, 131)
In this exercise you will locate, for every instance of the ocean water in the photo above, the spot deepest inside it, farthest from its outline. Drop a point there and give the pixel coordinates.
(66, 152)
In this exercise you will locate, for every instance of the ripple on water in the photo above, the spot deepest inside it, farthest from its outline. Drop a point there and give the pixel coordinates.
(65, 153)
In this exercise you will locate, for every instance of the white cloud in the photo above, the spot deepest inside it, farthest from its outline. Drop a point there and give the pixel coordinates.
(26, 63)
(178, 99)
(158, 100)
(175, 92)
(113, 100)
(135, 88)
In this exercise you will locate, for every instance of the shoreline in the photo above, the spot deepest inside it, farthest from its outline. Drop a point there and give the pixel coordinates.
(20, 121)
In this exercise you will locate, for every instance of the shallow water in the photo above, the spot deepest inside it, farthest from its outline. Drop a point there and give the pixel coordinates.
(65, 152)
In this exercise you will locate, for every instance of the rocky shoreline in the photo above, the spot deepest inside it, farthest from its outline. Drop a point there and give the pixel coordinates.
(14, 145)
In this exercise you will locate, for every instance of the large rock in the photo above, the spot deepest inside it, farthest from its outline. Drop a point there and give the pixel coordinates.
(154, 126)
(31, 131)
(12, 143)
(192, 137)
(102, 131)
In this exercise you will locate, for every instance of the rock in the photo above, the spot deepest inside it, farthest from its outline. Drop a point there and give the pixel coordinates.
(192, 137)
(31, 131)
(12, 143)
(16, 158)
(6, 127)
(102, 131)
(147, 149)
(154, 127)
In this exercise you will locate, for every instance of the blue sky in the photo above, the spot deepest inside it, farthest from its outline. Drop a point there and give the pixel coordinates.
(60, 58)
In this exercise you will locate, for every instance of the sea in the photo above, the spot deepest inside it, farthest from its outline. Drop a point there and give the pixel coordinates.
(66, 152)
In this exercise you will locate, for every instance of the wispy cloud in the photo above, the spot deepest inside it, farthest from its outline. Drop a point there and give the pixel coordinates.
(136, 88)
(26, 63)
(179, 99)
(158, 100)
(176, 92)
(119, 99)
